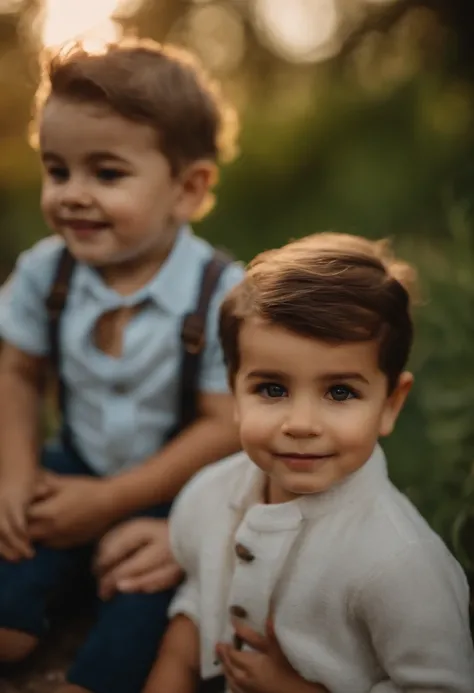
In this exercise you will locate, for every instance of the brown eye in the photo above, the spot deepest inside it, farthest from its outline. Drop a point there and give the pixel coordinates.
(59, 173)
(109, 175)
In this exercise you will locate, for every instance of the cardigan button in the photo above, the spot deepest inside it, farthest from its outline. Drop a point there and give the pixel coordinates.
(243, 553)
(238, 611)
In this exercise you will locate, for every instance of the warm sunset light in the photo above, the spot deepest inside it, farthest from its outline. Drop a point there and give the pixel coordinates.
(10, 6)
(300, 30)
(89, 20)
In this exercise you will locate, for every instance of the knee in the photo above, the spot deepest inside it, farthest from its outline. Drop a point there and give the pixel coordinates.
(15, 645)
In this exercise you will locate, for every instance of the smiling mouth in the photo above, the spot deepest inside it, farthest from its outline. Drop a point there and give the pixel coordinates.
(83, 224)
(301, 456)
(301, 462)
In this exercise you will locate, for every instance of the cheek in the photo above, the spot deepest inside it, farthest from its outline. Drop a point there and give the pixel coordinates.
(47, 199)
(138, 210)
(258, 423)
(251, 433)
(357, 426)
(120, 201)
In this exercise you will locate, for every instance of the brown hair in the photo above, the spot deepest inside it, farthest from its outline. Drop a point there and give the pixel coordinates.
(329, 286)
(162, 86)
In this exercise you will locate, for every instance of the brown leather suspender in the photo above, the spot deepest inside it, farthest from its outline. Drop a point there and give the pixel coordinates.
(192, 334)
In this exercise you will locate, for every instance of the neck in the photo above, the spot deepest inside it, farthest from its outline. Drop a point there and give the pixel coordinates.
(129, 276)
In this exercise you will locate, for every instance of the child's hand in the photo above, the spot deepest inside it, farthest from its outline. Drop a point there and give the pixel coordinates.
(15, 496)
(136, 556)
(265, 670)
(68, 510)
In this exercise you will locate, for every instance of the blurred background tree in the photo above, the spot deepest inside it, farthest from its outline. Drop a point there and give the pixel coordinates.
(358, 116)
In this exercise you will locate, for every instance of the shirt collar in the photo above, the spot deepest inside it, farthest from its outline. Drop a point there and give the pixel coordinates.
(175, 282)
(170, 288)
(354, 489)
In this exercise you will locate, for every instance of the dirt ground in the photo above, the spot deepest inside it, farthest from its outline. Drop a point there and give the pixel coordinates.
(47, 668)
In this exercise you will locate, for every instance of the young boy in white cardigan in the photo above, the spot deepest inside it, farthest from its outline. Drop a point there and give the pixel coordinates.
(307, 571)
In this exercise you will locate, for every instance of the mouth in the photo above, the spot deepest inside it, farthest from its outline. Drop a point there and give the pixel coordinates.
(303, 462)
(83, 226)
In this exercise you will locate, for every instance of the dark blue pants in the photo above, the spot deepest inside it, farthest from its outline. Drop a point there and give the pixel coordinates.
(120, 649)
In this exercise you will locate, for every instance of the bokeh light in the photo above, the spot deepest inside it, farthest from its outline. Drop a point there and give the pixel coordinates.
(10, 6)
(300, 30)
(90, 20)
(217, 34)
(379, 2)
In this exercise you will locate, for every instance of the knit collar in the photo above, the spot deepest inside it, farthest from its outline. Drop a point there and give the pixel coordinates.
(354, 489)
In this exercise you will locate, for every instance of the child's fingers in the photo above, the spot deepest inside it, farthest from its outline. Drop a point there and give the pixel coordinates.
(250, 637)
(10, 549)
(42, 491)
(17, 520)
(116, 545)
(241, 661)
(7, 553)
(14, 536)
(153, 581)
(140, 562)
(15, 548)
(235, 675)
(232, 683)
(38, 511)
(48, 480)
(106, 587)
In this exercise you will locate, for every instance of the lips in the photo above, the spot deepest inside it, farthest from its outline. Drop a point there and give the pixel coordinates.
(303, 456)
(299, 462)
(83, 224)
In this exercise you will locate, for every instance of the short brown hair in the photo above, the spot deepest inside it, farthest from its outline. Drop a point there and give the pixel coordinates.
(329, 286)
(143, 81)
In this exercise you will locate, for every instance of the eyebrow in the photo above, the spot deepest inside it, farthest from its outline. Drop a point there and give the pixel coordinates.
(266, 375)
(345, 375)
(50, 156)
(92, 158)
(327, 377)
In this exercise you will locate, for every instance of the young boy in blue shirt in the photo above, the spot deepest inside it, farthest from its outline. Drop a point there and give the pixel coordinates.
(129, 141)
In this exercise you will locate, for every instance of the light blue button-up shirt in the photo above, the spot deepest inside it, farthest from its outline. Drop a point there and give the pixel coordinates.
(120, 410)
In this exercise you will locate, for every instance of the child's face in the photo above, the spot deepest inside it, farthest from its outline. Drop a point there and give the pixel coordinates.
(107, 189)
(310, 413)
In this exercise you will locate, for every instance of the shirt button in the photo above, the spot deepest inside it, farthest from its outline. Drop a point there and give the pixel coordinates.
(120, 389)
(244, 553)
(238, 611)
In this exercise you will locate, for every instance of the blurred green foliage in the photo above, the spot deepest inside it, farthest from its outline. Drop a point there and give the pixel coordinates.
(385, 152)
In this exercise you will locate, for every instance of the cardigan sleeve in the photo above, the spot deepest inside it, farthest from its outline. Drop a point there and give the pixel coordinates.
(186, 601)
(184, 539)
(416, 610)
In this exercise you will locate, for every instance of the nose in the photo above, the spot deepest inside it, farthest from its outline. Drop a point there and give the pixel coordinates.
(302, 419)
(75, 193)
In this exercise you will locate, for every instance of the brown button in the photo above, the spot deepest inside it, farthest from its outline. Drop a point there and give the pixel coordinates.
(120, 389)
(244, 553)
(238, 611)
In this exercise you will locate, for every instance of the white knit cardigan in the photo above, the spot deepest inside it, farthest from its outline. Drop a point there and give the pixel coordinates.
(365, 596)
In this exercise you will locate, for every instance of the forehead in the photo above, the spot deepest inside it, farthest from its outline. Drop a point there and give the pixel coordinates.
(68, 128)
(263, 347)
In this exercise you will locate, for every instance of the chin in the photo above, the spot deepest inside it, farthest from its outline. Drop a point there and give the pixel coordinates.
(88, 255)
(309, 489)
(87, 258)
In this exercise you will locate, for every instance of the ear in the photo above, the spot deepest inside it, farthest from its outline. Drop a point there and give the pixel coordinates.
(195, 182)
(394, 403)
